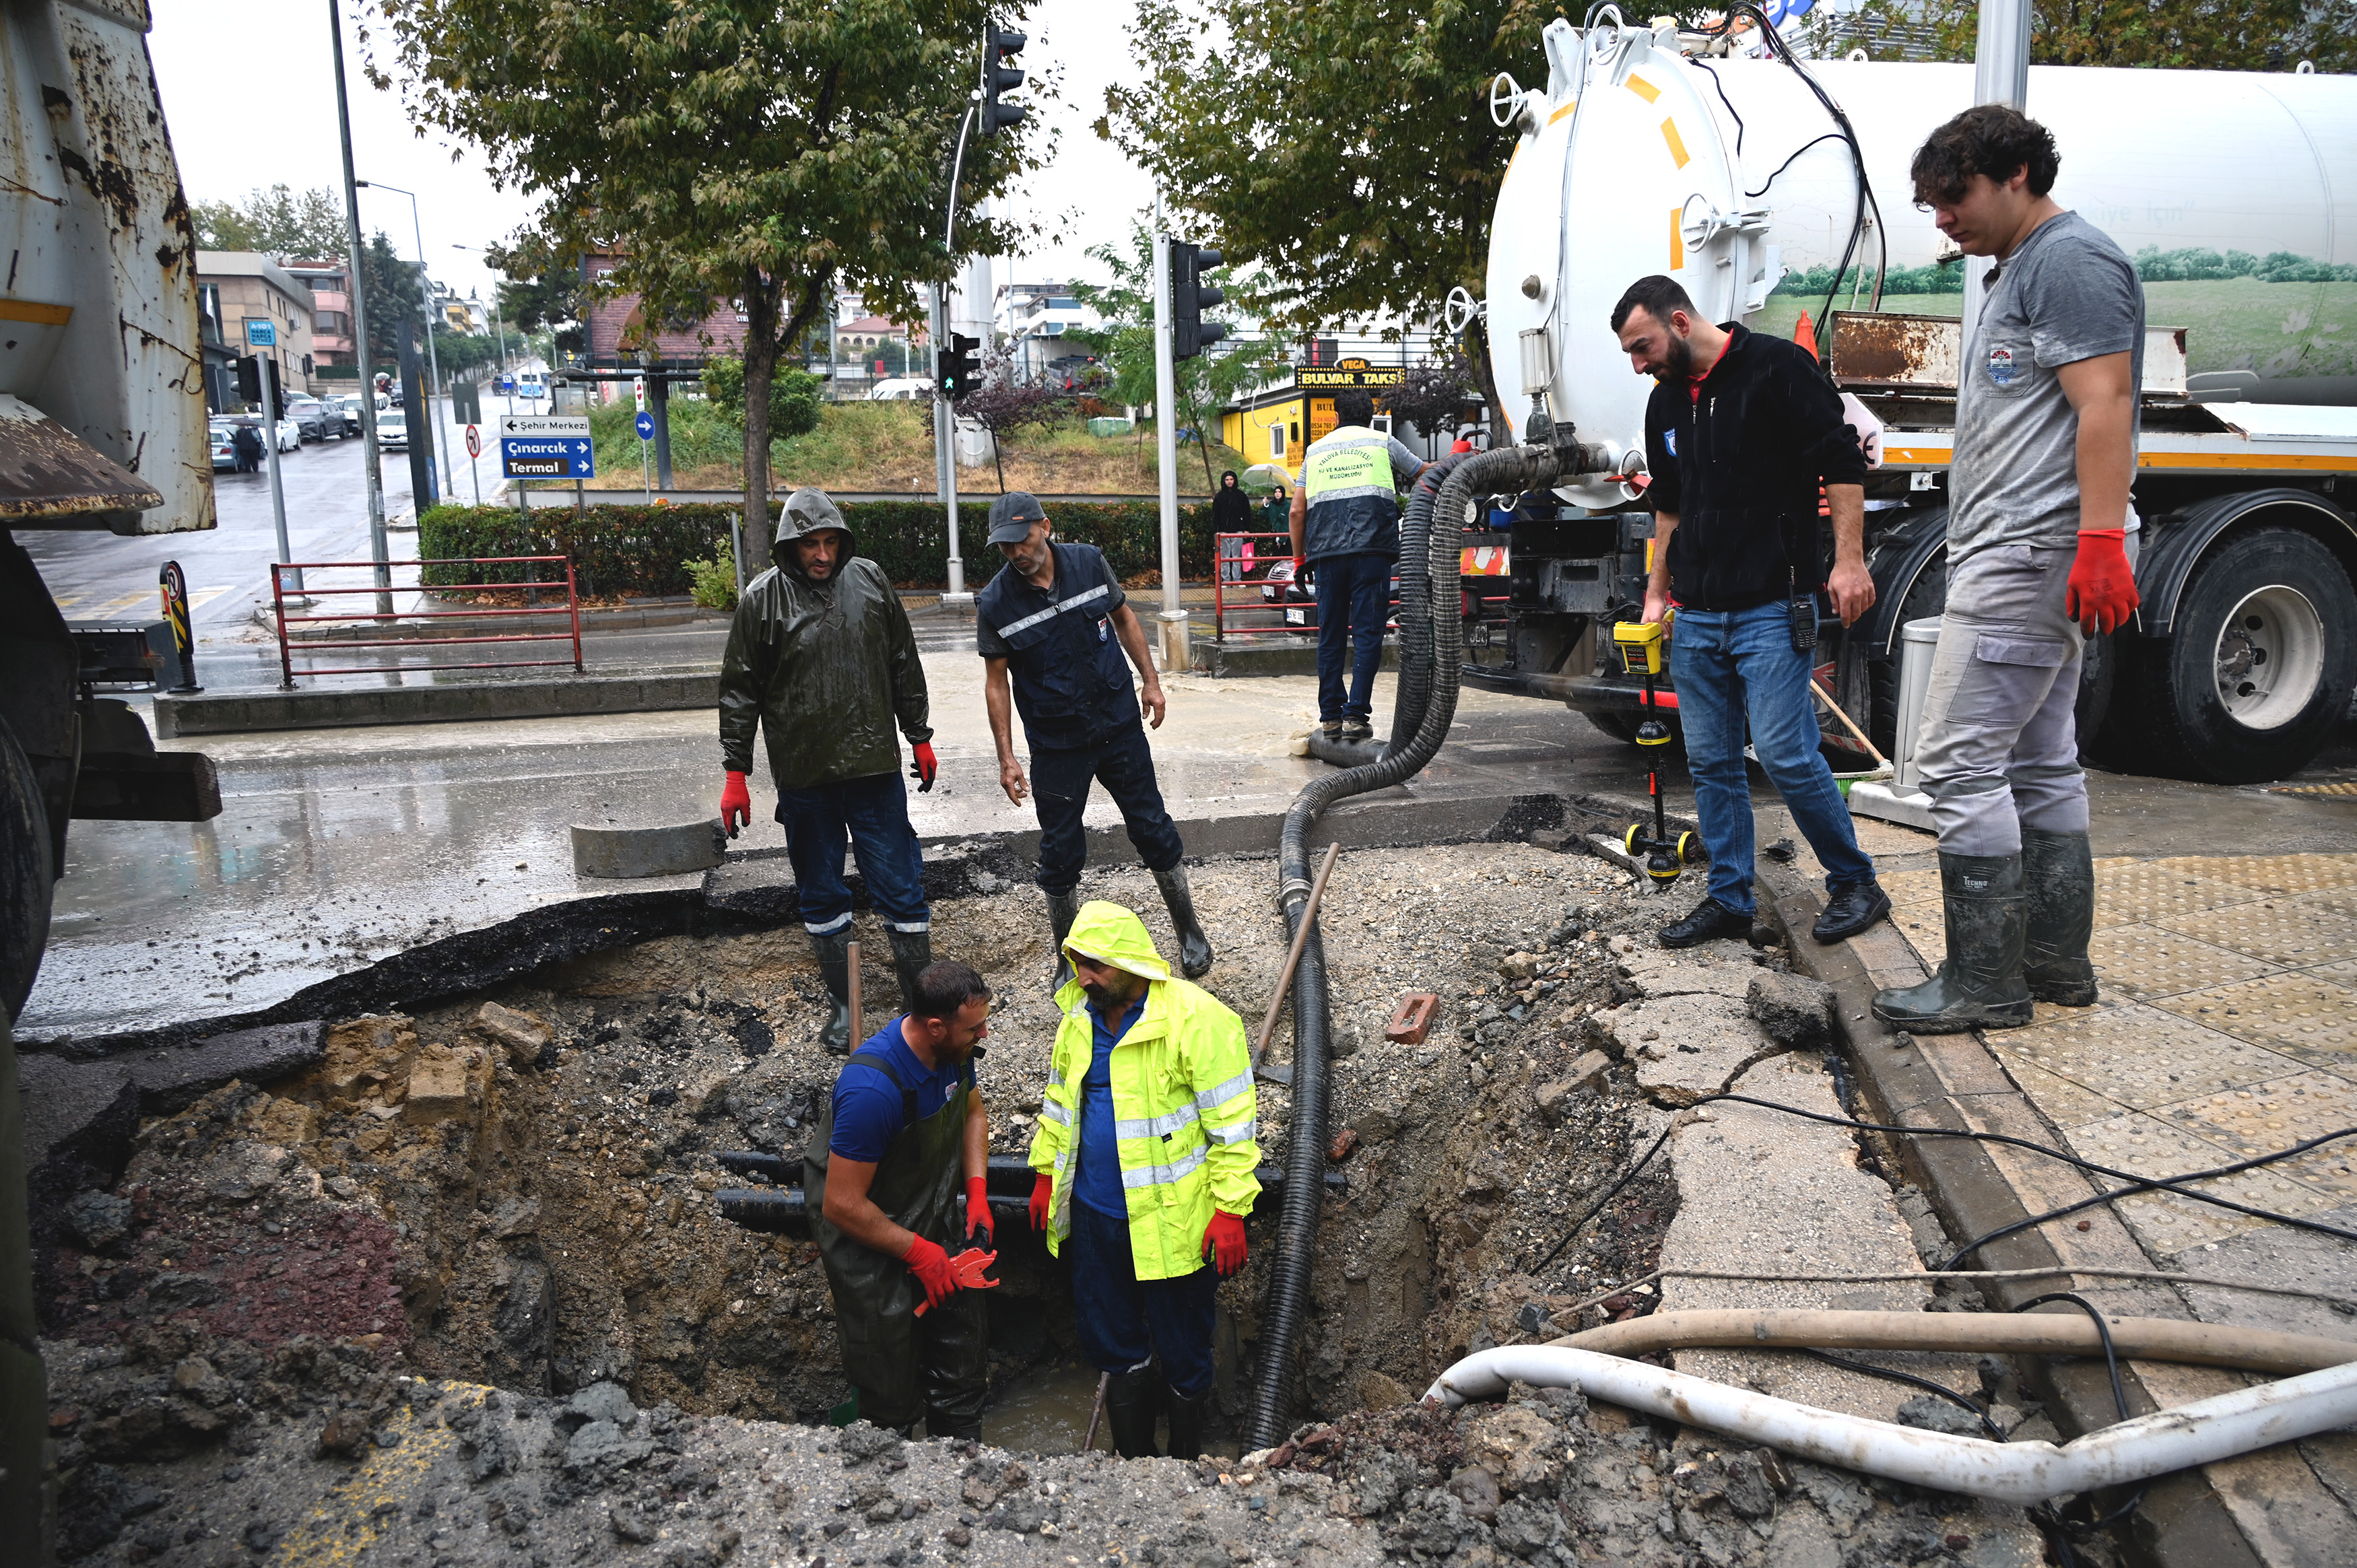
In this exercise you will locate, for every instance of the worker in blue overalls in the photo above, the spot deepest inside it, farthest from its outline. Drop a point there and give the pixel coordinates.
(1054, 625)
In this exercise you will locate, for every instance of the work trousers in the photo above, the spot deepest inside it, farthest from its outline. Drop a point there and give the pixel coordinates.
(1999, 749)
(1060, 777)
(869, 815)
(1731, 666)
(1124, 1321)
(1354, 595)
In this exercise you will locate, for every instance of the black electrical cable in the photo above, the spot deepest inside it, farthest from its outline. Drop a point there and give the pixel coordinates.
(2167, 1184)
(1893, 1374)
(1805, 146)
(2119, 1402)
(1722, 98)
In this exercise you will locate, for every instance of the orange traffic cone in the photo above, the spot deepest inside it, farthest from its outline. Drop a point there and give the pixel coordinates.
(1805, 333)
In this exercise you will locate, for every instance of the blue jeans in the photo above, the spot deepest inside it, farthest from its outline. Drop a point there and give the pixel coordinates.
(1354, 594)
(1730, 665)
(871, 815)
(1060, 777)
(1123, 1321)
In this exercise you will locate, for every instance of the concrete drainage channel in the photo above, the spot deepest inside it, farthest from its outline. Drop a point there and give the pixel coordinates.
(271, 1332)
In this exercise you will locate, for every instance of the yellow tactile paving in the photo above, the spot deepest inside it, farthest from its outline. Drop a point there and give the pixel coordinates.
(2145, 1146)
(1913, 886)
(2279, 930)
(2274, 874)
(2152, 890)
(2142, 963)
(2333, 900)
(2139, 1057)
(2065, 1103)
(2296, 1014)
(2277, 1114)
(2341, 973)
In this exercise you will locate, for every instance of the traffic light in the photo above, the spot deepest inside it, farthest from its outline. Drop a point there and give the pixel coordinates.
(958, 368)
(252, 371)
(1190, 296)
(998, 76)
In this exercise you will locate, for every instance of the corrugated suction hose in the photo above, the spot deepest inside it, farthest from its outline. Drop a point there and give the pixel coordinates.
(1480, 474)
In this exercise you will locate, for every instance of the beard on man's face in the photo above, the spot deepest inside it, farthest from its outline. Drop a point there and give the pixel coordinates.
(1677, 360)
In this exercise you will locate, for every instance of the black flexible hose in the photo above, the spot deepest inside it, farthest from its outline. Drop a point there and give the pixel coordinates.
(1481, 473)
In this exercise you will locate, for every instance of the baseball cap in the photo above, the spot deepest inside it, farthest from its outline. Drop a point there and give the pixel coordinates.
(1012, 515)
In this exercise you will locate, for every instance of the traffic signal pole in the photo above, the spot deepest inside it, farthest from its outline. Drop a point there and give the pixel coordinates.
(370, 465)
(945, 454)
(1175, 653)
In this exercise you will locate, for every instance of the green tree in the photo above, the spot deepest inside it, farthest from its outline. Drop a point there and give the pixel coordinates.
(758, 152)
(2185, 35)
(278, 222)
(794, 395)
(1346, 147)
(1230, 368)
(396, 305)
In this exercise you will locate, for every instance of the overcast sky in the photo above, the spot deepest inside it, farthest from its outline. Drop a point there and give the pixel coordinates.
(249, 92)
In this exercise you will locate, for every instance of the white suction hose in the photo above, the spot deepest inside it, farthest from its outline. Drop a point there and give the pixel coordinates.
(2022, 1473)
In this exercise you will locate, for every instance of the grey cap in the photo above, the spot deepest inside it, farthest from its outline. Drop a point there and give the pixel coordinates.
(1012, 515)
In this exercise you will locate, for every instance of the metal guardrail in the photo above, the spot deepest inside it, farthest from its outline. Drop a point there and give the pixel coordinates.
(1236, 570)
(288, 646)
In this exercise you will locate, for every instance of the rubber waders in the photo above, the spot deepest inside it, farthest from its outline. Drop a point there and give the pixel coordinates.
(835, 966)
(912, 954)
(1187, 1425)
(1979, 984)
(1130, 1400)
(1063, 908)
(2057, 873)
(1194, 946)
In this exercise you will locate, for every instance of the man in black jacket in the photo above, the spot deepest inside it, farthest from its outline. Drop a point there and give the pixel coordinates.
(1740, 431)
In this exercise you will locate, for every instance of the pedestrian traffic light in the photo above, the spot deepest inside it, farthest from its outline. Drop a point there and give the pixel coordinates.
(958, 367)
(1189, 294)
(254, 372)
(999, 76)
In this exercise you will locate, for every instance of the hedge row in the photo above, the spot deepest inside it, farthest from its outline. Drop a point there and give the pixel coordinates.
(638, 549)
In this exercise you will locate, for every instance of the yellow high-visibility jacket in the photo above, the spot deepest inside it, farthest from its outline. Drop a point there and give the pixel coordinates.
(1182, 1099)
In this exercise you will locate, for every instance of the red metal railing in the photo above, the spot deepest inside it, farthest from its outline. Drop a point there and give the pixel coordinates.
(570, 610)
(1247, 557)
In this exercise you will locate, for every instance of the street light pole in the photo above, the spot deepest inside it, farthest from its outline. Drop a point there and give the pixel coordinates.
(370, 465)
(426, 300)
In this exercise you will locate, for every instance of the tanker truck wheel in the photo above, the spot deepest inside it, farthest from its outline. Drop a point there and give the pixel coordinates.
(2259, 670)
(26, 879)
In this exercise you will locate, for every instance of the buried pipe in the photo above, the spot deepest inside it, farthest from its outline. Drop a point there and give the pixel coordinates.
(1293, 957)
(1288, 1297)
(2019, 1472)
(1966, 1333)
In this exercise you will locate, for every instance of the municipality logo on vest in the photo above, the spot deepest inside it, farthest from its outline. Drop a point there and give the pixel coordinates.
(2001, 366)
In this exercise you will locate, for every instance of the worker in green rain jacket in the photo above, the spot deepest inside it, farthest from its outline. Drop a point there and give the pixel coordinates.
(1145, 1155)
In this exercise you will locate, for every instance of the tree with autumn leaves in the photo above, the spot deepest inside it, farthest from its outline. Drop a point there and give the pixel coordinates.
(758, 152)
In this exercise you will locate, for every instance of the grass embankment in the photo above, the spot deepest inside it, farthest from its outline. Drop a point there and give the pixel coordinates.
(887, 448)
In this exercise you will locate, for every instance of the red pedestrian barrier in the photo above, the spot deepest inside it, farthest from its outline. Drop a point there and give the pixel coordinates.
(570, 610)
(1236, 570)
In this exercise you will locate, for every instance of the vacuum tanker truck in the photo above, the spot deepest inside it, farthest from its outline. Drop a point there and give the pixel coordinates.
(1777, 190)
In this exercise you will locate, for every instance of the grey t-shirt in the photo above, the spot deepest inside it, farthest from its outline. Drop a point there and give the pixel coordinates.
(2066, 294)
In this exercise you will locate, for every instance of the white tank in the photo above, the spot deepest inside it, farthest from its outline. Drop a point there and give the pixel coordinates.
(1629, 164)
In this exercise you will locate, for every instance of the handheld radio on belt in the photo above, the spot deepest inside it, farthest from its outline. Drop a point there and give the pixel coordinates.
(1639, 647)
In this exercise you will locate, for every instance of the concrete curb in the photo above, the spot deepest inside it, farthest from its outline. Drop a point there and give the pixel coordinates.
(452, 701)
(1955, 1082)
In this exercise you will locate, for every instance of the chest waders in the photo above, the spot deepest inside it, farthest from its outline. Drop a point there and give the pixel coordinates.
(902, 1365)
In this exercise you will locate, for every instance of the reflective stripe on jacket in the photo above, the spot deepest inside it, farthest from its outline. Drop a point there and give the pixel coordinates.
(1351, 493)
(1183, 1103)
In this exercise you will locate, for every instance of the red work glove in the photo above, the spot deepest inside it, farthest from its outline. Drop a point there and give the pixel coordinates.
(977, 1210)
(1039, 1191)
(1225, 1242)
(1300, 569)
(931, 1267)
(735, 804)
(926, 766)
(2102, 590)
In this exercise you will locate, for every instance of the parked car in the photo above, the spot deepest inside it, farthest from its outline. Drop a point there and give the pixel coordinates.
(290, 434)
(313, 418)
(348, 406)
(224, 453)
(898, 389)
(393, 430)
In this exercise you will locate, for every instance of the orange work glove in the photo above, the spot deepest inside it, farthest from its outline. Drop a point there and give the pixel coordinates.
(735, 804)
(931, 1266)
(1039, 1191)
(977, 1210)
(926, 766)
(1225, 1242)
(2102, 590)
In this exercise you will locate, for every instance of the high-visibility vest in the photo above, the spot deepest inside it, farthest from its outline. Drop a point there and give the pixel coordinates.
(1352, 501)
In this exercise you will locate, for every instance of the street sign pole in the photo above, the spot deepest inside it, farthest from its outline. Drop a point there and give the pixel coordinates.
(370, 465)
(646, 427)
(265, 335)
(475, 450)
(1175, 653)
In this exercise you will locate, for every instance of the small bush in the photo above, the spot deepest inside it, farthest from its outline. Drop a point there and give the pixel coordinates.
(712, 584)
(794, 396)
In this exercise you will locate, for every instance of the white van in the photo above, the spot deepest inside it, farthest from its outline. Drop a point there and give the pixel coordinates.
(899, 389)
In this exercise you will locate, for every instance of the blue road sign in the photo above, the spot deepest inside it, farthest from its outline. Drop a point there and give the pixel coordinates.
(646, 427)
(549, 446)
(261, 334)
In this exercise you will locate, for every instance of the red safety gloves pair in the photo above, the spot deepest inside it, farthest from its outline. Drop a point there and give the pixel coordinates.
(926, 766)
(2100, 594)
(942, 1276)
(735, 804)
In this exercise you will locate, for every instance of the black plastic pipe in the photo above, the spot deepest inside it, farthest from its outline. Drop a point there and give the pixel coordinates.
(1481, 474)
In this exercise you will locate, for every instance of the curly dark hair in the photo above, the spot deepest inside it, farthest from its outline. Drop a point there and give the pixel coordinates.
(1990, 139)
(1354, 407)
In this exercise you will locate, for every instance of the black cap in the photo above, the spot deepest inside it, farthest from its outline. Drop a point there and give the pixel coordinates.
(1012, 515)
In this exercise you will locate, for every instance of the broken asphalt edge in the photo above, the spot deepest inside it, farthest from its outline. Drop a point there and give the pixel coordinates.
(2183, 1521)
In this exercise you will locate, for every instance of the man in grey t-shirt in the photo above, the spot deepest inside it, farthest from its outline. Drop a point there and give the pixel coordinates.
(2045, 425)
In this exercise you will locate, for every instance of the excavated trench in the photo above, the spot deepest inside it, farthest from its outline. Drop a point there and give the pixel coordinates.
(518, 1187)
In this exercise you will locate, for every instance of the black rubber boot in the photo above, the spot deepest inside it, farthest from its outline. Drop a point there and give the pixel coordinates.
(835, 965)
(1194, 946)
(1130, 1410)
(911, 952)
(1187, 1424)
(1063, 908)
(2057, 873)
(1979, 985)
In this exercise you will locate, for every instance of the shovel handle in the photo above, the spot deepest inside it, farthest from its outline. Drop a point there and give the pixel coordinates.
(1879, 760)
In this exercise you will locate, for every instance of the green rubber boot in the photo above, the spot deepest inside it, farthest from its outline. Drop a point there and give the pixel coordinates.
(912, 954)
(1063, 908)
(1980, 983)
(2057, 873)
(834, 967)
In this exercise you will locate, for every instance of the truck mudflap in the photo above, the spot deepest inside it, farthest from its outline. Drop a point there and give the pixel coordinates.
(50, 477)
(146, 787)
(1588, 694)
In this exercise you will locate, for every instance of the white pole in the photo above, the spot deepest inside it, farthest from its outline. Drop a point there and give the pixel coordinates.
(372, 467)
(1165, 445)
(265, 363)
(945, 455)
(2001, 75)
